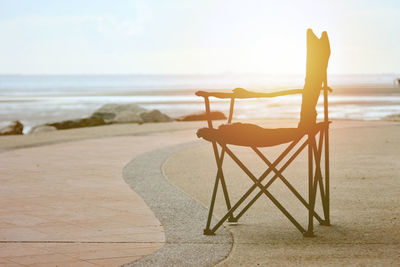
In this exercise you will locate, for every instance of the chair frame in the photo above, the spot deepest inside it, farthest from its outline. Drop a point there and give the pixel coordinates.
(315, 178)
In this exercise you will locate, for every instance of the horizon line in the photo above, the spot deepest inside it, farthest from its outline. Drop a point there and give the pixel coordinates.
(185, 74)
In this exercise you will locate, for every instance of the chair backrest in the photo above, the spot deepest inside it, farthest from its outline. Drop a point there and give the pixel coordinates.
(318, 53)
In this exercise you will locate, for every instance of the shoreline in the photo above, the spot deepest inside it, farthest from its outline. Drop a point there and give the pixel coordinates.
(10, 142)
(359, 102)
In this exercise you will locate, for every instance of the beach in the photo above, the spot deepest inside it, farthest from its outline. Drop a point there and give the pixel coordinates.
(199, 133)
(138, 193)
(40, 99)
(38, 173)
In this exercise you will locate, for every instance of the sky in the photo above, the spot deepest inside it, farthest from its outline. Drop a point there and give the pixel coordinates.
(195, 37)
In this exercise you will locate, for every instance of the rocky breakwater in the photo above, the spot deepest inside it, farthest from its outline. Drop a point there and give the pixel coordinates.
(108, 114)
(78, 123)
(129, 113)
(214, 115)
(11, 128)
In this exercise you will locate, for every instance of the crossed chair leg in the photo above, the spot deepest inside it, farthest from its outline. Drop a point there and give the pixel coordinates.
(315, 180)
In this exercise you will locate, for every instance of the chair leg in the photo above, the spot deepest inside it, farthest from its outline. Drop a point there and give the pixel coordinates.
(311, 198)
(219, 177)
(326, 201)
(226, 196)
(210, 211)
(223, 184)
(318, 176)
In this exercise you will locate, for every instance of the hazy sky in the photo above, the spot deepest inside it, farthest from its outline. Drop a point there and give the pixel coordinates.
(199, 36)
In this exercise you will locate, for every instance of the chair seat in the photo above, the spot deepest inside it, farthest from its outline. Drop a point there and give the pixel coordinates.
(246, 134)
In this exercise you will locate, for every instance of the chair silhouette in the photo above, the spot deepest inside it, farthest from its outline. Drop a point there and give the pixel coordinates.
(309, 133)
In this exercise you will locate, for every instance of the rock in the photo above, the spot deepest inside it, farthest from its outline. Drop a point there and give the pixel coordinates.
(154, 116)
(393, 117)
(123, 113)
(127, 116)
(215, 115)
(42, 128)
(110, 111)
(14, 127)
(78, 123)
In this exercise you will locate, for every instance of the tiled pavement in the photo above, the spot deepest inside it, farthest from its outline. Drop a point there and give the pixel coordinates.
(67, 205)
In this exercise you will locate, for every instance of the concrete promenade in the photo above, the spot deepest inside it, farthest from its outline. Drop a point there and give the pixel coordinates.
(138, 195)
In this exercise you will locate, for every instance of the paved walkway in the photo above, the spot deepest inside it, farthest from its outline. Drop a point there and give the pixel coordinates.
(67, 203)
(181, 216)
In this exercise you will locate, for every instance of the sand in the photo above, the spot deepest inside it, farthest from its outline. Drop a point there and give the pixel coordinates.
(36, 139)
(365, 202)
(365, 185)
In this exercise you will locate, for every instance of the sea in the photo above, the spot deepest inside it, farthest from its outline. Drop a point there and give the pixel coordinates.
(39, 99)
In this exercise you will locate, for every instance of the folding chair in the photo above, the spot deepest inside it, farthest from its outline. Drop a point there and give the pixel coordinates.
(253, 136)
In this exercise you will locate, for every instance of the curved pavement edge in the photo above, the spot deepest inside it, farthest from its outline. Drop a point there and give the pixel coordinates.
(182, 217)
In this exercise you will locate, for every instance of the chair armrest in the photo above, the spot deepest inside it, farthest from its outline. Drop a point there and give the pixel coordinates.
(243, 93)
